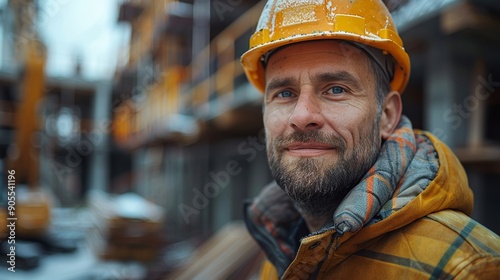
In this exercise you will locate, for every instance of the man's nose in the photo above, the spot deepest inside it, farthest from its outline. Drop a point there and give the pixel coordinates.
(307, 114)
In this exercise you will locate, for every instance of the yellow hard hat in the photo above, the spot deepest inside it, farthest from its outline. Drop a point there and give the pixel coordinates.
(364, 22)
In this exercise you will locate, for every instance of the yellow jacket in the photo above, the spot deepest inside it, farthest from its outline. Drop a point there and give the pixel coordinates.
(430, 237)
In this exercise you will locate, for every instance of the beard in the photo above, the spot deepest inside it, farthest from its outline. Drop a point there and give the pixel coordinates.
(318, 184)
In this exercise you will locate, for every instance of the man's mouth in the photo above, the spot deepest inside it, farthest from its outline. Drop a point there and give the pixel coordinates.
(308, 149)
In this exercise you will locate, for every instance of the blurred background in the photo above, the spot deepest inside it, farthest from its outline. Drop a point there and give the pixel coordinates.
(136, 139)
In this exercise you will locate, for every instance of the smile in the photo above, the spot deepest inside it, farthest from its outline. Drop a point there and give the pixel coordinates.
(309, 149)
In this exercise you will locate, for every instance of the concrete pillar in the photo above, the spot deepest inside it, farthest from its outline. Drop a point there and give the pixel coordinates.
(446, 85)
(99, 167)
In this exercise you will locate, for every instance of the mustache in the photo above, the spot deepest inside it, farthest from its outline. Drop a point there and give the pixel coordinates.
(330, 139)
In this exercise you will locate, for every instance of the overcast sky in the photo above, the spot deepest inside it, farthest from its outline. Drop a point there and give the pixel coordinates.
(85, 28)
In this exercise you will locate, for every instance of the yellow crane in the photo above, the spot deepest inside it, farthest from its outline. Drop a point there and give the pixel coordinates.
(28, 207)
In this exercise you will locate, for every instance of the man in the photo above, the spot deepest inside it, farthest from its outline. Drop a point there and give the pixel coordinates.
(358, 194)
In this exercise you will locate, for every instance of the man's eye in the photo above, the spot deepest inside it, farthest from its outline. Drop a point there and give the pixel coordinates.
(285, 94)
(336, 90)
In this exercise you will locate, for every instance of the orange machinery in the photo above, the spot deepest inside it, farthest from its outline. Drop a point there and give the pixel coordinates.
(32, 204)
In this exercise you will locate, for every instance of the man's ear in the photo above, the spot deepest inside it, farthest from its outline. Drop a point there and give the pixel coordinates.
(391, 114)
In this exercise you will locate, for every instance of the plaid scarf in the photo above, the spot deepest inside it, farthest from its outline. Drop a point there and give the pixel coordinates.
(405, 166)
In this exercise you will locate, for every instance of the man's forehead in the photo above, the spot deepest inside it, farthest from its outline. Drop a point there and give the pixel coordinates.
(347, 50)
(307, 48)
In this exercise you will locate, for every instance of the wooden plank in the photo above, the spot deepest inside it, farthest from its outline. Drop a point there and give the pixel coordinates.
(227, 251)
(478, 115)
(116, 235)
(477, 155)
(464, 16)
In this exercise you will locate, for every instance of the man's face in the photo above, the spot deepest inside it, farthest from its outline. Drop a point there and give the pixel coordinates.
(321, 121)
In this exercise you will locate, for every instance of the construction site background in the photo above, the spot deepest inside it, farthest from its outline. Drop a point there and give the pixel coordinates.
(131, 138)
